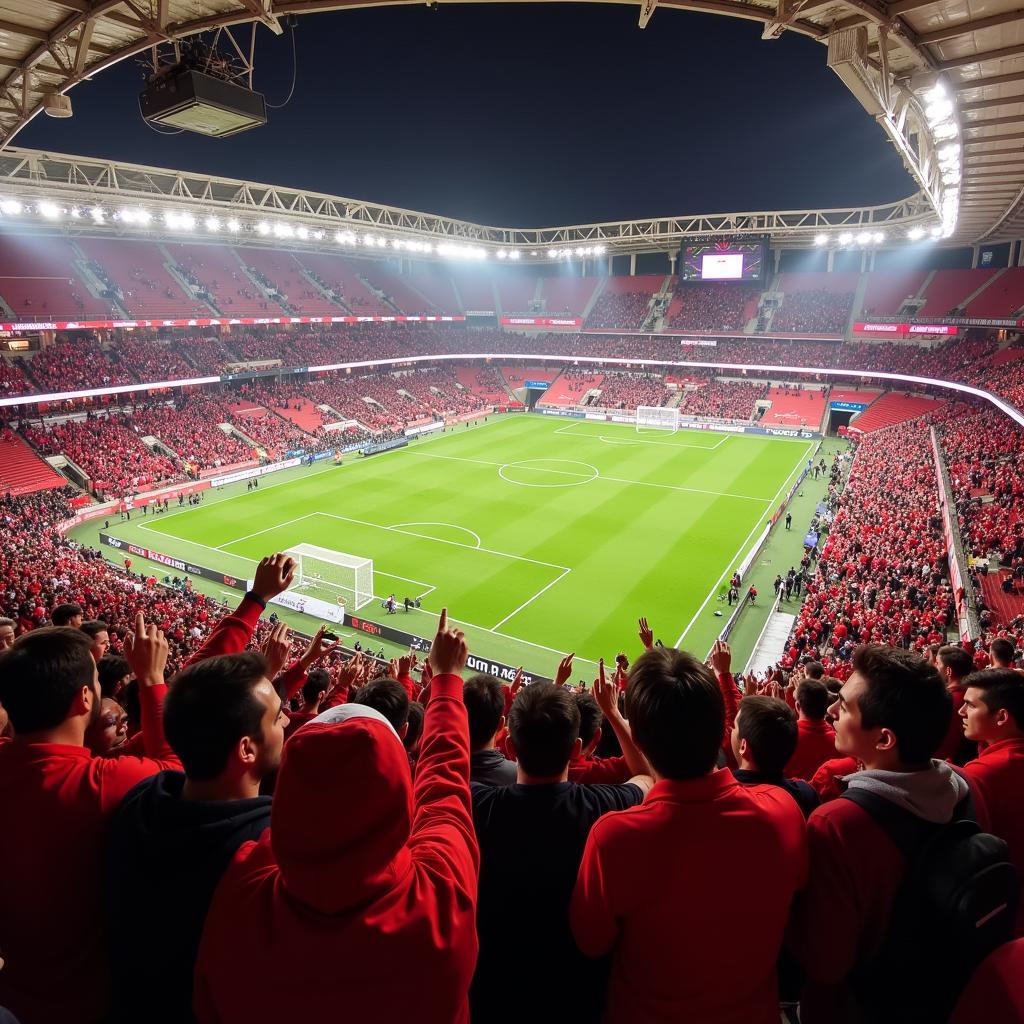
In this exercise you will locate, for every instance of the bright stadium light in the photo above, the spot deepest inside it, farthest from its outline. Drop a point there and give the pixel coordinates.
(283, 230)
(10, 207)
(878, 237)
(552, 254)
(600, 249)
(938, 111)
(76, 212)
(179, 221)
(946, 130)
(915, 234)
(233, 225)
(845, 238)
(936, 232)
(502, 255)
(302, 232)
(212, 223)
(821, 239)
(97, 214)
(514, 254)
(318, 235)
(863, 237)
(263, 227)
(51, 211)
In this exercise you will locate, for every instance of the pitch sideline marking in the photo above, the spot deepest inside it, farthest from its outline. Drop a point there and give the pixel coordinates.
(529, 600)
(728, 568)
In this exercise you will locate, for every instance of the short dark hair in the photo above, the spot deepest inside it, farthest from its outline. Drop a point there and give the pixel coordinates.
(41, 674)
(676, 712)
(813, 697)
(1002, 650)
(957, 659)
(814, 670)
(591, 716)
(318, 681)
(387, 696)
(93, 627)
(769, 727)
(905, 695)
(416, 714)
(484, 698)
(111, 669)
(1001, 688)
(210, 706)
(544, 723)
(64, 613)
(833, 685)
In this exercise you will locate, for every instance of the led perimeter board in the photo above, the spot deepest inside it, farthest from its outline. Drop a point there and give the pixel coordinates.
(740, 259)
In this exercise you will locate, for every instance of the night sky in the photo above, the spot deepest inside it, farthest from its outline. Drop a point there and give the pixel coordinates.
(526, 115)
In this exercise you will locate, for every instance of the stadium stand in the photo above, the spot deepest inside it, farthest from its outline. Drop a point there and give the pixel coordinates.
(568, 295)
(713, 307)
(21, 470)
(625, 302)
(485, 382)
(38, 277)
(885, 292)
(342, 277)
(515, 291)
(217, 270)
(629, 390)
(793, 406)
(814, 303)
(722, 399)
(949, 290)
(891, 409)
(571, 386)
(12, 380)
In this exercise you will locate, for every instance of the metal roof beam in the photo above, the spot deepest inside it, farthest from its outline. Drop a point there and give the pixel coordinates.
(991, 121)
(985, 139)
(964, 28)
(1005, 53)
(903, 6)
(987, 104)
(980, 83)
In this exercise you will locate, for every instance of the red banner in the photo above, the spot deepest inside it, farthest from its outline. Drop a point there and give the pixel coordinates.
(243, 321)
(896, 330)
(541, 321)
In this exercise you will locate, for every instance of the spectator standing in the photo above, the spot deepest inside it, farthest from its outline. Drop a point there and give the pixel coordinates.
(485, 706)
(816, 739)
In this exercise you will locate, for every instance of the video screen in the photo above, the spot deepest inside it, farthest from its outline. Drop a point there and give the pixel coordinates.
(723, 260)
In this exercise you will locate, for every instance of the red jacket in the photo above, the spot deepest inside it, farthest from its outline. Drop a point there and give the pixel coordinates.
(815, 744)
(825, 781)
(660, 881)
(995, 995)
(594, 771)
(363, 870)
(56, 800)
(997, 775)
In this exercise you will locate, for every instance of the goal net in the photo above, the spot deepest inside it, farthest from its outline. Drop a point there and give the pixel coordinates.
(649, 417)
(332, 576)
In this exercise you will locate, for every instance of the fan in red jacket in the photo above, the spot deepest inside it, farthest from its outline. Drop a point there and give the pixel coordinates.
(361, 870)
(993, 716)
(816, 739)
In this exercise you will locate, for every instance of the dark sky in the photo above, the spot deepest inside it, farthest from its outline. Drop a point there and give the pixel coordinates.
(527, 115)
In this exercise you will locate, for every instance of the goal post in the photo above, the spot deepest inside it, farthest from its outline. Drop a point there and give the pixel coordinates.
(654, 417)
(333, 576)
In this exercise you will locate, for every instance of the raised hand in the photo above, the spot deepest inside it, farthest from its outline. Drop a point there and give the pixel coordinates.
(406, 664)
(273, 576)
(449, 652)
(348, 674)
(721, 658)
(606, 693)
(277, 648)
(564, 669)
(517, 681)
(146, 652)
(646, 634)
(393, 668)
(318, 648)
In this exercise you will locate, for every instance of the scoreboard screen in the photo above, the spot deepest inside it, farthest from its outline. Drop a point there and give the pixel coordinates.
(723, 260)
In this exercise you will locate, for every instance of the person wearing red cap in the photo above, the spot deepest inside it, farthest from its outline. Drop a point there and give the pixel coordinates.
(361, 869)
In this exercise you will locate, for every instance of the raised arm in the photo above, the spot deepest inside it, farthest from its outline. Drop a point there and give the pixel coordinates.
(606, 693)
(721, 662)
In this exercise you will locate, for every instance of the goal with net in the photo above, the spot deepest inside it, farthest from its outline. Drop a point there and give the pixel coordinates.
(332, 576)
(650, 417)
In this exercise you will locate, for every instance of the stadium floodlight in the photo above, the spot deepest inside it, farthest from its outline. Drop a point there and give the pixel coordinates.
(502, 255)
(233, 225)
(915, 234)
(878, 237)
(946, 130)
(97, 214)
(318, 235)
(283, 230)
(10, 207)
(51, 211)
(334, 577)
(212, 223)
(533, 252)
(580, 250)
(863, 237)
(302, 232)
(821, 239)
(263, 227)
(552, 254)
(938, 111)
(845, 238)
(950, 153)
(179, 221)
(935, 93)
(514, 254)
(936, 232)
(600, 249)
(76, 212)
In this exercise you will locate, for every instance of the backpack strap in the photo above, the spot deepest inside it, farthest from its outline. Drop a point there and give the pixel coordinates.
(907, 831)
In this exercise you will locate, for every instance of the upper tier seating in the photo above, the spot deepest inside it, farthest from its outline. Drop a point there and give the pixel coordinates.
(38, 280)
(949, 289)
(891, 409)
(567, 295)
(21, 470)
(886, 291)
(218, 269)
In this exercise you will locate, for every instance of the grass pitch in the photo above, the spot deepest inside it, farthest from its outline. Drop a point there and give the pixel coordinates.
(541, 535)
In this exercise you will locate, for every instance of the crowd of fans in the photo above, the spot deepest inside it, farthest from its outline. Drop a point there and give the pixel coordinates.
(629, 390)
(814, 310)
(623, 310)
(713, 307)
(722, 399)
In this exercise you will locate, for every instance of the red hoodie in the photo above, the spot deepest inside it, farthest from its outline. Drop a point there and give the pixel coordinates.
(362, 869)
(56, 800)
(815, 744)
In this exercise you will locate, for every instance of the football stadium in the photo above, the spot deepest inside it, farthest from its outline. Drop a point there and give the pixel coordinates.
(386, 593)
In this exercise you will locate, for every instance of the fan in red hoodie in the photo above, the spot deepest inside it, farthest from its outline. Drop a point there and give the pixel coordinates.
(816, 739)
(57, 799)
(361, 869)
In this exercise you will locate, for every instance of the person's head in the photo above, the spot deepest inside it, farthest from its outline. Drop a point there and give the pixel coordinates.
(484, 697)
(1000, 650)
(764, 734)
(591, 718)
(954, 664)
(812, 699)
(67, 615)
(415, 730)
(96, 631)
(315, 688)
(676, 712)
(109, 732)
(894, 710)
(8, 631)
(544, 730)
(114, 673)
(387, 696)
(224, 719)
(48, 680)
(814, 670)
(931, 653)
(993, 707)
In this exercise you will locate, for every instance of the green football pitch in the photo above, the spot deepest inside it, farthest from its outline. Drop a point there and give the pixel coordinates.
(541, 535)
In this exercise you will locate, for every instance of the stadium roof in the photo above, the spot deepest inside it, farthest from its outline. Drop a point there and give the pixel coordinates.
(888, 54)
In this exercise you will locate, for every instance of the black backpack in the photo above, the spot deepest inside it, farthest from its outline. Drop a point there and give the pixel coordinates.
(957, 903)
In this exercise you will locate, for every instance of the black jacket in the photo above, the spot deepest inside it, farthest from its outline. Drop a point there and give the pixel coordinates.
(491, 768)
(163, 859)
(799, 790)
